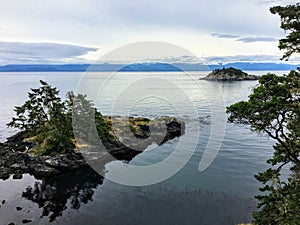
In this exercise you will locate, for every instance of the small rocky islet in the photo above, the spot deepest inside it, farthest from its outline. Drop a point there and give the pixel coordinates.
(56, 135)
(17, 157)
(229, 74)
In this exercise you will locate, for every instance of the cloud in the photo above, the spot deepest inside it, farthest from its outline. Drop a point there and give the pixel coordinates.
(275, 2)
(207, 60)
(175, 59)
(101, 22)
(241, 58)
(245, 39)
(26, 53)
(224, 35)
(257, 39)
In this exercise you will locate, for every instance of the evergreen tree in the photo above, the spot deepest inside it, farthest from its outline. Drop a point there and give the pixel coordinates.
(43, 116)
(290, 23)
(274, 109)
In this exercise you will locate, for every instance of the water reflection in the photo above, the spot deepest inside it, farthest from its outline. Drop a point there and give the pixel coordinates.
(72, 189)
(61, 199)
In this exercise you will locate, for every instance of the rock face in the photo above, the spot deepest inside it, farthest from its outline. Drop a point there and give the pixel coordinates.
(16, 159)
(18, 163)
(229, 74)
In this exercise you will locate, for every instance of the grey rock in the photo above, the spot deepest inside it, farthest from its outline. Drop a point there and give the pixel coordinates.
(229, 74)
(16, 162)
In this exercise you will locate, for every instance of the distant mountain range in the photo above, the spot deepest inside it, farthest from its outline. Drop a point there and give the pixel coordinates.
(143, 67)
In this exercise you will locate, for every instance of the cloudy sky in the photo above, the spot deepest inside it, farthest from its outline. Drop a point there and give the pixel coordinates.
(68, 31)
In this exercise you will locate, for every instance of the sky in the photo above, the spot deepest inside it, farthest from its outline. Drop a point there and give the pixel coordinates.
(82, 31)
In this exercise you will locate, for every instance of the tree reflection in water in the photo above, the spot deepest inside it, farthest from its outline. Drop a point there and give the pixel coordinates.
(56, 194)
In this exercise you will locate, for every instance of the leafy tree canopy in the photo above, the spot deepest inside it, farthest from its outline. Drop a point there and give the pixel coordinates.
(274, 109)
(290, 22)
(48, 119)
(231, 71)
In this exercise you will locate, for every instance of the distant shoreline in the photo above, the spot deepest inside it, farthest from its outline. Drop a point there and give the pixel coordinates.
(144, 67)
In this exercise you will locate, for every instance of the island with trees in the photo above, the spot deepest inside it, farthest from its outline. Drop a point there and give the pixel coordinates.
(229, 74)
(46, 144)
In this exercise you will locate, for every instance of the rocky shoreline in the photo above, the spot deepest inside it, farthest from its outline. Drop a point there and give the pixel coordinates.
(229, 74)
(16, 158)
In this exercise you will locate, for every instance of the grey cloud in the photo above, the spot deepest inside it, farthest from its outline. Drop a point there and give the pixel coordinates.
(224, 35)
(257, 39)
(273, 2)
(109, 20)
(19, 52)
(244, 39)
(206, 15)
(241, 58)
(181, 59)
(190, 59)
(164, 59)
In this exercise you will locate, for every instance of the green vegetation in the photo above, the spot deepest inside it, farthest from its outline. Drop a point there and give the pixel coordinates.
(290, 22)
(274, 109)
(48, 120)
(50, 123)
(86, 119)
(231, 72)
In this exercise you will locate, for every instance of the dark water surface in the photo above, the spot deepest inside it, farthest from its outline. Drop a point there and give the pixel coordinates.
(222, 194)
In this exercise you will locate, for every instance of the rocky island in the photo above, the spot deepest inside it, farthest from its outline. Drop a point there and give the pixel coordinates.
(17, 154)
(46, 145)
(229, 74)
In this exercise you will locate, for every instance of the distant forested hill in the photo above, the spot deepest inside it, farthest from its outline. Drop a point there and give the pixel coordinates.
(142, 67)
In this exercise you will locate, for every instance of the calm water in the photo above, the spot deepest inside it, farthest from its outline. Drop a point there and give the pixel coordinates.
(222, 194)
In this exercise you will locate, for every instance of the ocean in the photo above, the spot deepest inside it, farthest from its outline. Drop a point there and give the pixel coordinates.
(221, 194)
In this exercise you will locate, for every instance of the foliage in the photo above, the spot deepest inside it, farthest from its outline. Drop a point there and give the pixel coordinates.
(231, 71)
(89, 124)
(290, 21)
(274, 109)
(48, 119)
(281, 203)
(53, 142)
(43, 106)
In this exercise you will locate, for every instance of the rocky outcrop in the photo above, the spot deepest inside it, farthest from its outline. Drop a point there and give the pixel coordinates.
(18, 163)
(229, 74)
(17, 159)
